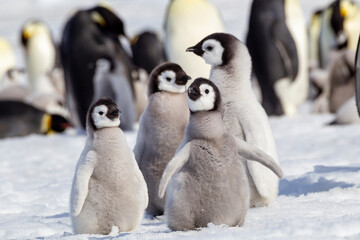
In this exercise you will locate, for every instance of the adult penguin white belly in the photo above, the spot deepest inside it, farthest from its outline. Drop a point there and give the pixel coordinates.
(187, 22)
(294, 92)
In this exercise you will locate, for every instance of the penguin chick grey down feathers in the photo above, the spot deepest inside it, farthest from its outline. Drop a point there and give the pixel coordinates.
(206, 180)
(109, 193)
(161, 128)
(243, 116)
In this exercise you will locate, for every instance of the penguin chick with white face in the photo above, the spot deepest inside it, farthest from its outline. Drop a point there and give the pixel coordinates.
(206, 181)
(243, 115)
(161, 127)
(109, 193)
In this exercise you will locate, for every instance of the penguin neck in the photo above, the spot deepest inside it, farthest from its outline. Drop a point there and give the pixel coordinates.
(233, 79)
(205, 125)
(107, 137)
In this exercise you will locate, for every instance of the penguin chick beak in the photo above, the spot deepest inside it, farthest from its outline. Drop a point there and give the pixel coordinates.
(114, 114)
(193, 93)
(195, 49)
(183, 80)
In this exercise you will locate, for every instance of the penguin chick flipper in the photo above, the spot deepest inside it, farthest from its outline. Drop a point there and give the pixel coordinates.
(176, 163)
(255, 154)
(83, 173)
(286, 46)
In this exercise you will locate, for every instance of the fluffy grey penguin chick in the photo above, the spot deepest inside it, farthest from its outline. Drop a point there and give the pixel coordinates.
(162, 127)
(205, 181)
(243, 115)
(109, 193)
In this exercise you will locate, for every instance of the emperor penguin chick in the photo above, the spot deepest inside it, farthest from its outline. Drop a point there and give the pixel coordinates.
(109, 193)
(162, 127)
(206, 180)
(243, 116)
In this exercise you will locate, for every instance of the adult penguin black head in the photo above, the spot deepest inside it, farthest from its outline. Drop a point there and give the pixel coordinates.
(147, 50)
(107, 20)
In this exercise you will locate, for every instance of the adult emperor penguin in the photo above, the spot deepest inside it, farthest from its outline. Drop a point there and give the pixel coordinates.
(161, 128)
(7, 58)
(20, 119)
(40, 55)
(206, 180)
(90, 35)
(277, 45)
(188, 21)
(109, 193)
(243, 116)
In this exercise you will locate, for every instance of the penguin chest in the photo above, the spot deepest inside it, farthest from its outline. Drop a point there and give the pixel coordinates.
(231, 121)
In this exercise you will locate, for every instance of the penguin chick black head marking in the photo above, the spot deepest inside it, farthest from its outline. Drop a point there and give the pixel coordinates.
(168, 77)
(203, 95)
(103, 113)
(216, 49)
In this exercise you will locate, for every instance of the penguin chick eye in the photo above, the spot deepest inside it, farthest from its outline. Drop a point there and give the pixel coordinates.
(101, 113)
(209, 48)
(168, 79)
(207, 91)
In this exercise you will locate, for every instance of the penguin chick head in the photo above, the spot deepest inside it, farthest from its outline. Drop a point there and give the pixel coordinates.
(203, 95)
(216, 49)
(103, 113)
(169, 77)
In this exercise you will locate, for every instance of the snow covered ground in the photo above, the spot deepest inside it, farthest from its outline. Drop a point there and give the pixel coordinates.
(319, 197)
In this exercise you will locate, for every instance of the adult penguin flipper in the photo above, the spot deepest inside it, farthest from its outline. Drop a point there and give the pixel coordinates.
(357, 77)
(286, 46)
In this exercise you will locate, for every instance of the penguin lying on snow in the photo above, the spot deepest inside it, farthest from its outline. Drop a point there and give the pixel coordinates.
(90, 35)
(20, 119)
(109, 193)
(188, 21)
(205, 181)
(161, 127)
(243, 116)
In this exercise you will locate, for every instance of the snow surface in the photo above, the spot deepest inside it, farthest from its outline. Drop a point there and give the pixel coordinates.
(319, 197)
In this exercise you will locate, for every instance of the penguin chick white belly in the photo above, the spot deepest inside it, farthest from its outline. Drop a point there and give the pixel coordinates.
(201, 193)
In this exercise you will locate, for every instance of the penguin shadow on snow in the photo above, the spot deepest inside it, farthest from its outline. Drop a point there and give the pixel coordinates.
(309, 184)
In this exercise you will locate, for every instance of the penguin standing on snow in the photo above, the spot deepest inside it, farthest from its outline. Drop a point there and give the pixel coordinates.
(243, 116)
(205, 181)
(277, 44)
(109, 193)
(188, 21)
(161, 127)
(91, 35)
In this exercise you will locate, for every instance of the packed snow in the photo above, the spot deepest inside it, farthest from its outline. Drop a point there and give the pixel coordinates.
(319, 196)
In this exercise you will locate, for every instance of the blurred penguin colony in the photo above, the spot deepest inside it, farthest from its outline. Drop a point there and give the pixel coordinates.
(291, 62)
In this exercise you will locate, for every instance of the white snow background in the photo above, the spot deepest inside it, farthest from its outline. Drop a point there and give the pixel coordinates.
(319, 197)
